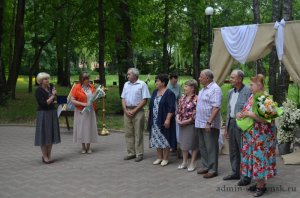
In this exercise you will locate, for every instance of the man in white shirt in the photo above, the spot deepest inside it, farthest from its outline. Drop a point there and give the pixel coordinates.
(207, 122)
(134, 97)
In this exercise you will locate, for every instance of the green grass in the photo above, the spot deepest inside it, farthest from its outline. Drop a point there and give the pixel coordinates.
(23, 109)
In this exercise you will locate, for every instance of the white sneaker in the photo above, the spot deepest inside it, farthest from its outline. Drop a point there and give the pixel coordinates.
(164, 163)
(83, 151)
(89, 151)
(157, 161)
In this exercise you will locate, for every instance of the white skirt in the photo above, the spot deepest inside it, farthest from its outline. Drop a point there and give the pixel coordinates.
(85, 127)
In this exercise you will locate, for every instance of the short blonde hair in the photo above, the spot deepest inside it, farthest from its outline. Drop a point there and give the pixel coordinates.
(192, 83)
(41, 76)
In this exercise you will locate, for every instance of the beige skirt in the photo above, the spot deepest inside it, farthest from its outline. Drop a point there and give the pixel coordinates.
(188, 137)
(85, 127)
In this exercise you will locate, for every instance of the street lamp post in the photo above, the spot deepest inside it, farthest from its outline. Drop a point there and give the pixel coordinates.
(208, 12)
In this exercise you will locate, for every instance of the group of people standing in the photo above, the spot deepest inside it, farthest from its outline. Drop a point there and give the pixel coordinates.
(193, 121)
(197, 119)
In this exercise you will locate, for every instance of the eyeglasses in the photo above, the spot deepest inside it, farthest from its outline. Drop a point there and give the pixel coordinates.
(45, 78)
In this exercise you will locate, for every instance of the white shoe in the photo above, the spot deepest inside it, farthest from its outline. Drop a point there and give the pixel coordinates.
(164, 163)
(191, 167)
(156, 162)
(182, 166)
(83, 151)
(89, 151)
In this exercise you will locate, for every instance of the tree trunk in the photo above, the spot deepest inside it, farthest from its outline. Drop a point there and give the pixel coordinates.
(166, 62)
(2, 68)
(256, 16)
(284, 77)
(18, 49)
(199, 51)
(101, 42)
(273, 62)
(36, 59)
(195, 48)
(33, 67)
(66, 79)
(124, 45)
(11, 35)
(59, 34)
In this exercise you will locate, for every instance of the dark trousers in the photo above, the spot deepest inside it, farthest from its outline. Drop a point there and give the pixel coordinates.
(209, 149)
(235, 146)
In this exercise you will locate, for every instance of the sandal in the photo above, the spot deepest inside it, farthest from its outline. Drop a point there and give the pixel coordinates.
(182, 166)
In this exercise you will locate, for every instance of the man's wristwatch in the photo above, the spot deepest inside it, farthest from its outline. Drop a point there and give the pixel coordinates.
(209, 123)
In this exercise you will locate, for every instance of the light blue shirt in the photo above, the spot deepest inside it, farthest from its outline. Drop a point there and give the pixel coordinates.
(176, 90)
(134, 93)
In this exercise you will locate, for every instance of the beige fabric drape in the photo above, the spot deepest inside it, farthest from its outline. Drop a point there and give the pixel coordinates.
(291, 57)
(221, 60)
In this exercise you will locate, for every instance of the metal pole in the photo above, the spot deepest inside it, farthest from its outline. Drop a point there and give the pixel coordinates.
(209, 40)
(104, 130)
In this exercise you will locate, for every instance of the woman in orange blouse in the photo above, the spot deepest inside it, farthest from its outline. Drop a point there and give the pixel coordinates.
(85, 124)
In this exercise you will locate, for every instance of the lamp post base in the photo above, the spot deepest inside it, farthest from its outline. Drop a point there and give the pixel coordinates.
(103, 132)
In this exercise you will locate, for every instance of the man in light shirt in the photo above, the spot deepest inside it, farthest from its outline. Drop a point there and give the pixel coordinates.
(237, 97)
(134, 97)
(207, 122)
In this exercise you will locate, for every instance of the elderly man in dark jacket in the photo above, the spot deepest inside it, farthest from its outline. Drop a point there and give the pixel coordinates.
(237, 97)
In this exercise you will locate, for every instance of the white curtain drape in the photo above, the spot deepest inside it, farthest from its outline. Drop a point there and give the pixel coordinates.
(279, 38)
(239, 40)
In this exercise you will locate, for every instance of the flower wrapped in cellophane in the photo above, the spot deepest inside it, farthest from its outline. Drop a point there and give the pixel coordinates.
(99, 93)
(264, 107)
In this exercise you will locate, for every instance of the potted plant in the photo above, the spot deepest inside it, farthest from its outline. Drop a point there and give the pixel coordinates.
(287, 123)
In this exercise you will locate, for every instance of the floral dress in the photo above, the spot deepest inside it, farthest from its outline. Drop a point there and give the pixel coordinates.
(157, 139)
(187, 109)
(258, 158)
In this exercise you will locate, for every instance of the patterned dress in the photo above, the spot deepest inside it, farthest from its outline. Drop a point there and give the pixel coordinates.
(258, 149)
(157, 139)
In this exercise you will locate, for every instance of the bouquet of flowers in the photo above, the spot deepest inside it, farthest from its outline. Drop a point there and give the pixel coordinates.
(99, 93)
(264, 107)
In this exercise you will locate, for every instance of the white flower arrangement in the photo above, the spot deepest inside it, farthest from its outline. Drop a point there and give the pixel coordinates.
(288, 121)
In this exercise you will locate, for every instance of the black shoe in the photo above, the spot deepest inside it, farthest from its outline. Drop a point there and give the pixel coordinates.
(129, 157)
(138, 159)
(231, 177)
(259, 192)
(253, 188)
(243, 183)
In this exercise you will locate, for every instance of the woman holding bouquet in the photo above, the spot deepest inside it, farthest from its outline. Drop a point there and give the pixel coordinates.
(258, 143)
(85, 125)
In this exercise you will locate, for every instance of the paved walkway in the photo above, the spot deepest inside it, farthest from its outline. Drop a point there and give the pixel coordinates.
(105, 174)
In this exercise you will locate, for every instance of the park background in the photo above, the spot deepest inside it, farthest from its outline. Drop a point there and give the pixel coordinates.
(105, 38)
